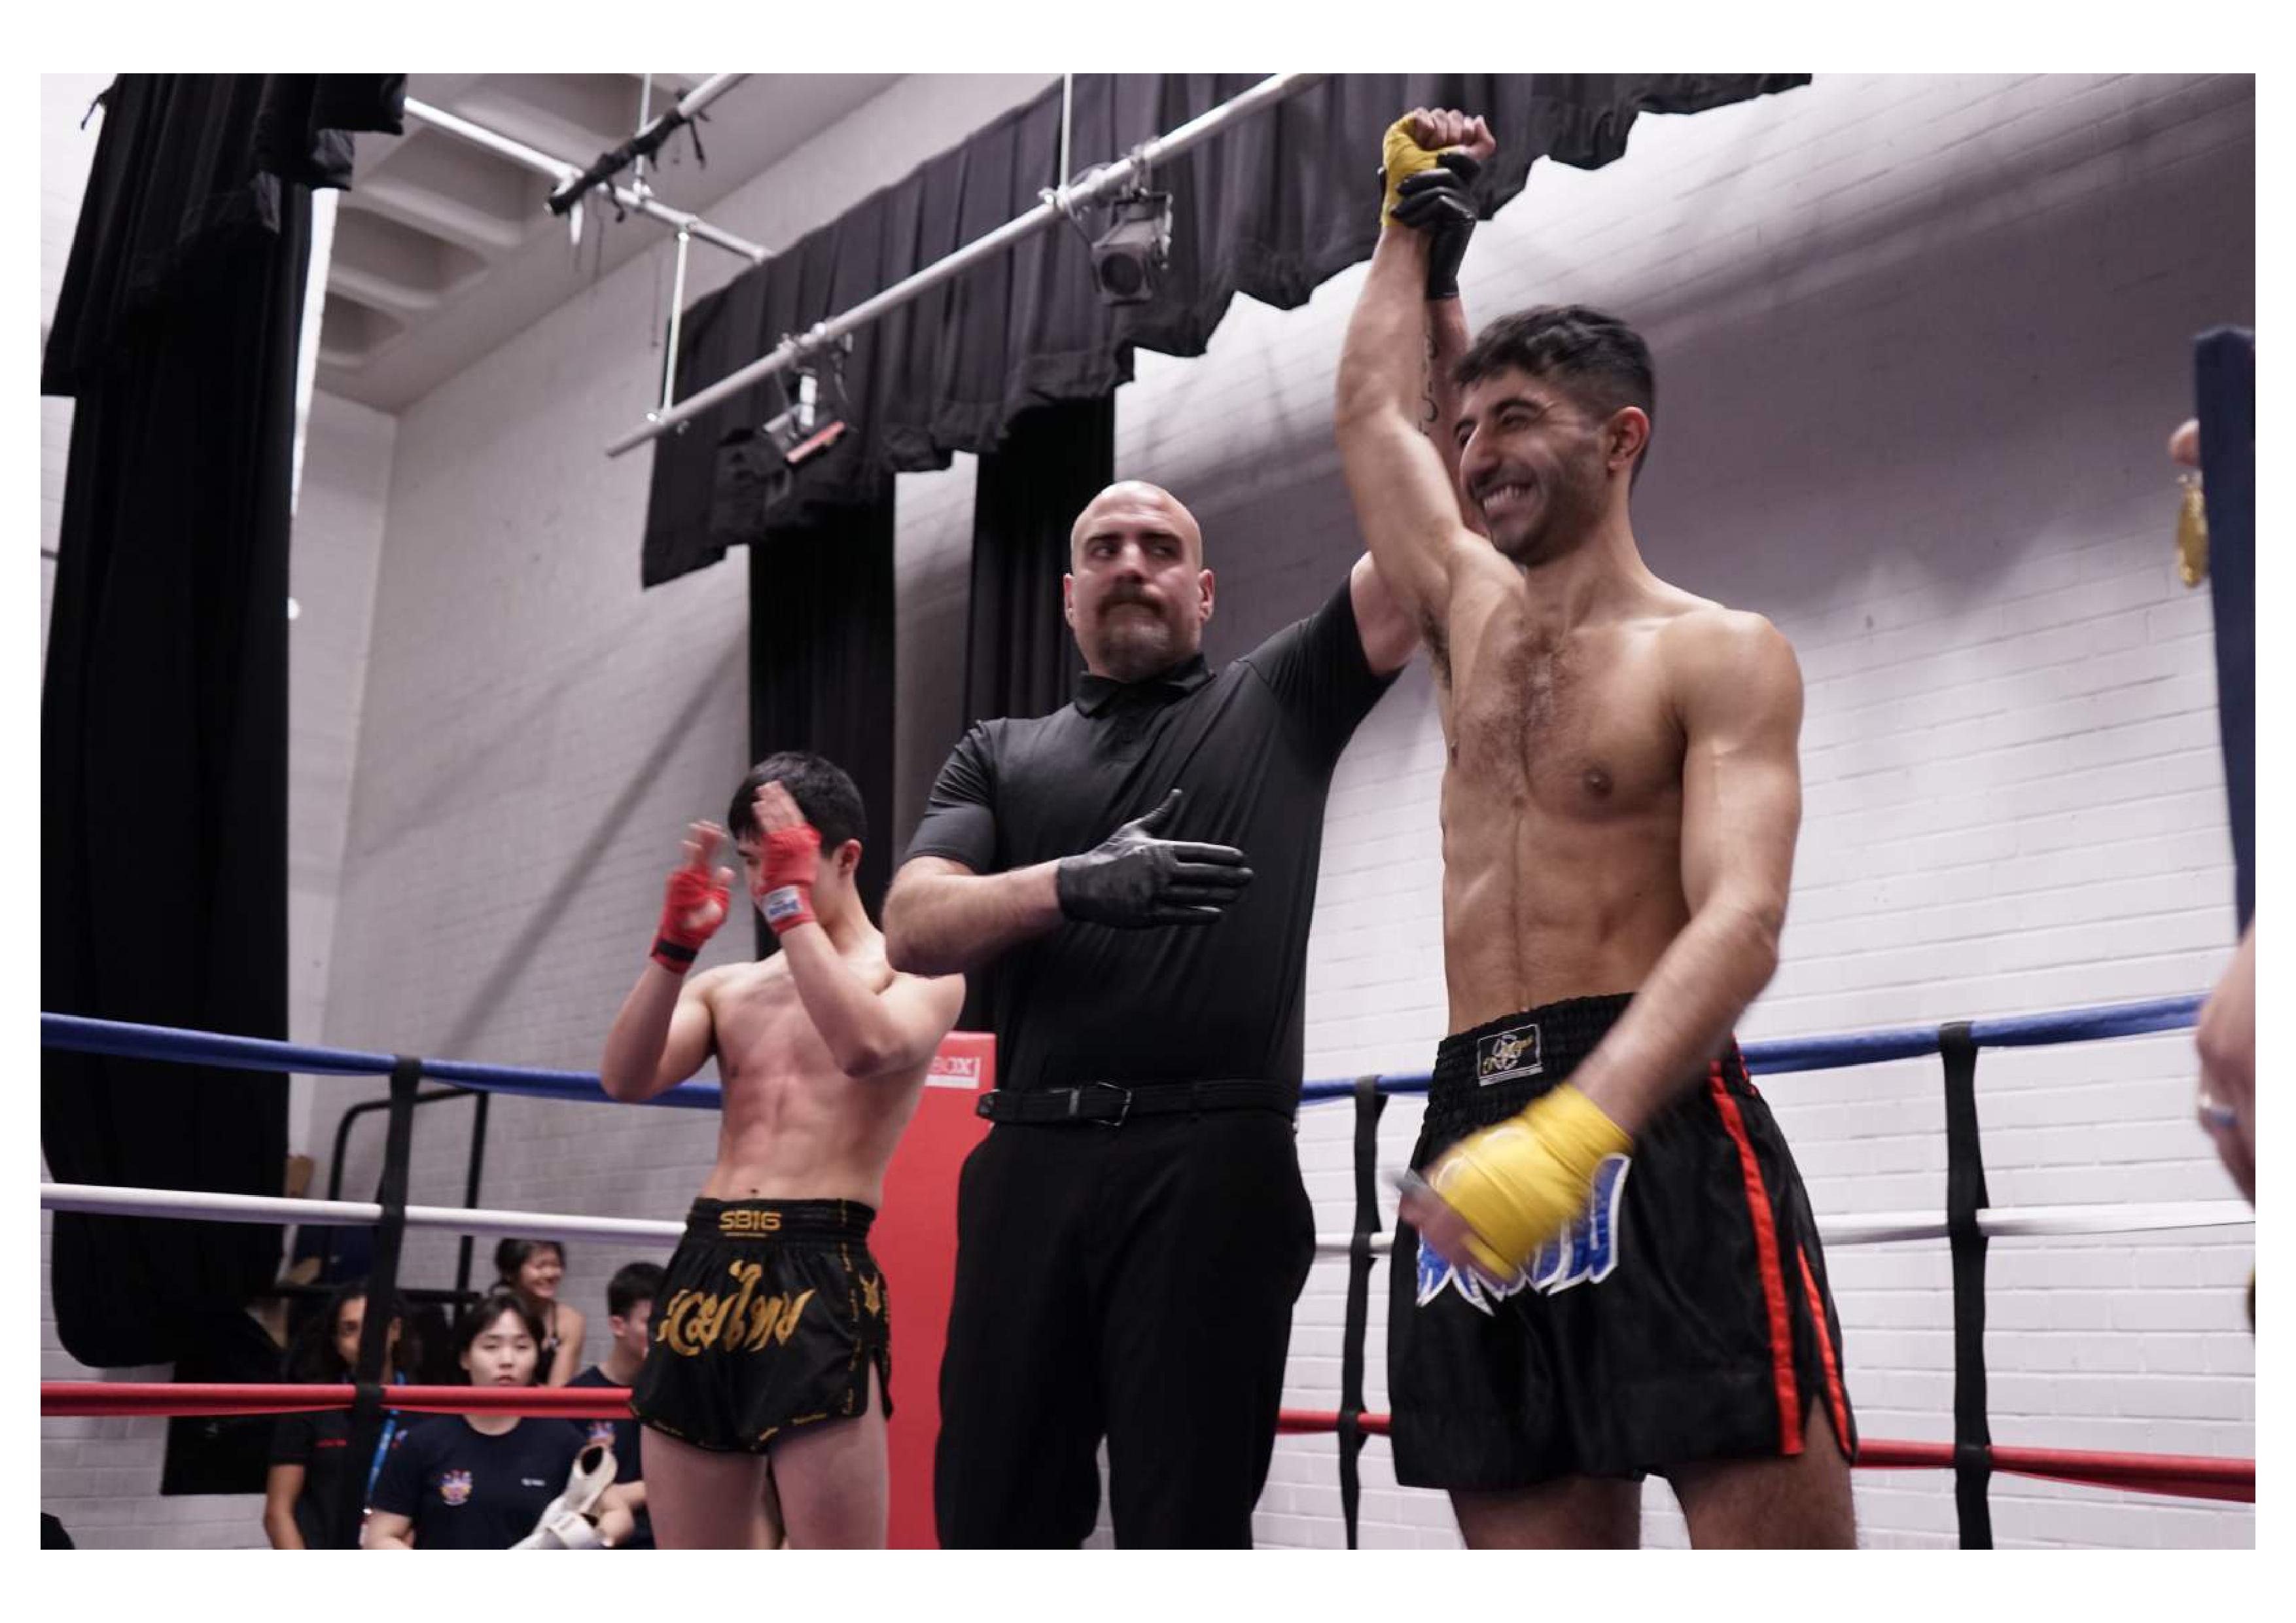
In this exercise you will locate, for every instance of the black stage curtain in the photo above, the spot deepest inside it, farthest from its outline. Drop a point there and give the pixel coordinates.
(1271, 208)
(821, 664)
(1018, 659)
(163, 738)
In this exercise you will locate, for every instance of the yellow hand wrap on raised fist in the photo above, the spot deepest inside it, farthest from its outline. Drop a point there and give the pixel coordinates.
(1400, 158)
(1520, 1184)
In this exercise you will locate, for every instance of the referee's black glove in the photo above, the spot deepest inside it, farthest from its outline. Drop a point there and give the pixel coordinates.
(1439, 202)
(1134, 881)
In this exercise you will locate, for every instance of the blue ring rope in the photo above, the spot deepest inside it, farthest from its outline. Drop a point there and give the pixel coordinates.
(85, 1036)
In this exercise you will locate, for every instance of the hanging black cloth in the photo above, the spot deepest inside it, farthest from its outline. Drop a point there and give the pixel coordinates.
(1019, 656)
(163, 737)
(1272, 207)
(821, 664)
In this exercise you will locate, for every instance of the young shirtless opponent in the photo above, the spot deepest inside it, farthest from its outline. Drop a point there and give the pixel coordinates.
(771, 1334)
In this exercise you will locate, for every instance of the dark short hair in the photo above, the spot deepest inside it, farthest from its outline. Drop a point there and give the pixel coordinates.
(511, 1255)
(486, 1311)
(819, 786)
(633, 1283)
(1601, 361)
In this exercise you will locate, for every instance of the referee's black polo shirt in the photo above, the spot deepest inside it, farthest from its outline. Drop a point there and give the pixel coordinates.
(1251, 749)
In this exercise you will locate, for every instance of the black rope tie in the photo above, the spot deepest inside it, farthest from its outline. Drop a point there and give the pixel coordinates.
(349, 1509)
(1369, 1102)
(1965, 1198)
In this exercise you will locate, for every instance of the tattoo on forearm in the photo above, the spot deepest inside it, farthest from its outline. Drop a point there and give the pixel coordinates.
(1430, 413)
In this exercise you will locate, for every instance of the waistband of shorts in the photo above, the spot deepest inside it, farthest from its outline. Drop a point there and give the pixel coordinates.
(778, 1220)
(1533, 1050)
(1514, 1059)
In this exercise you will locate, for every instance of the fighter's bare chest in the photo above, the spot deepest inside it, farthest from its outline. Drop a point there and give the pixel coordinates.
(1576, 723)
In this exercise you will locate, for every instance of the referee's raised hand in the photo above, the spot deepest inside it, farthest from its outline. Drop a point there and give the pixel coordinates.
(1136, 880)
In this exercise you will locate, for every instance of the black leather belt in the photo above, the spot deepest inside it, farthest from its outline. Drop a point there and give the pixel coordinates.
(1110, 1104)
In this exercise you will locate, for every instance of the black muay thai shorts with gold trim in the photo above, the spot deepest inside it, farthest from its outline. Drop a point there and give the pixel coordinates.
(769, 1317)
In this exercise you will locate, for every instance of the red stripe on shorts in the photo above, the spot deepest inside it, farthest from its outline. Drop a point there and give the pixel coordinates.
(1834, 1400)
(1765, 1248)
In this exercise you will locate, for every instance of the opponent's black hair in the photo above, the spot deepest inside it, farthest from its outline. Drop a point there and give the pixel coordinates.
(1601, 361)
(487, 1309)
(633, 1283)
(819, 786)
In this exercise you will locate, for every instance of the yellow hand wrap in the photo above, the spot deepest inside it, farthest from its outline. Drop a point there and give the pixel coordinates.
(1400, 158)
(1520, 1184)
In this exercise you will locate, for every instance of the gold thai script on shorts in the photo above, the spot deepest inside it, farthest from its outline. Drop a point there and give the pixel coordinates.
(738, 1321)
(872, 1296)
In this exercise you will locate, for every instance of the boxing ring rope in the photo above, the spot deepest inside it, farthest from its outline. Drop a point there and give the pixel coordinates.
(1969, 1222)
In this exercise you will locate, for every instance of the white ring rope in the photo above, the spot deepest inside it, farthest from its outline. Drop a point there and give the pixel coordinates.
(1996, 1223)
(205, 1206)
(1870, 1228)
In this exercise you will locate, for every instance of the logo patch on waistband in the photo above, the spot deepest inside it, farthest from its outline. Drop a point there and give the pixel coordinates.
(748, 1220)
(1585, 1253)
(1504, 1055)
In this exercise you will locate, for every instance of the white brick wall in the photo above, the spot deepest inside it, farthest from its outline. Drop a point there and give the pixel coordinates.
(1919, 341)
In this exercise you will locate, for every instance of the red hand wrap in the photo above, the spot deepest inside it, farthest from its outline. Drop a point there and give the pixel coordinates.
(785, 892)
(675, 942)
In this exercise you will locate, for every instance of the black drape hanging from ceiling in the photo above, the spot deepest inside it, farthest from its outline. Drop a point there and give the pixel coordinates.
(1272, 207)
(163, 737)
(1019, 658)
(821, 664)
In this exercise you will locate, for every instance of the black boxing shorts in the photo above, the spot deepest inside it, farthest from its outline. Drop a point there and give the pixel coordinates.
(1684, 1316)
(768, 1319)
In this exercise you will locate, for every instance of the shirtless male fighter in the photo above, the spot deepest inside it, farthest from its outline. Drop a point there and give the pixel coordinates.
(771, 1332)
(1617, 1270)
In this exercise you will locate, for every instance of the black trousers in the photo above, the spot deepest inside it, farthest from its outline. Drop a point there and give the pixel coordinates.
(1134, 1282)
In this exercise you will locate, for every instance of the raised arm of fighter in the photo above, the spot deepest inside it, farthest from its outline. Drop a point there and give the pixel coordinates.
(1403, 480)
(661, 1036)
(869, 1030)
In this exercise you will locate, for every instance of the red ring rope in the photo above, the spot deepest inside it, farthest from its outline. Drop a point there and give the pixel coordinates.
(2184, 1475)
(2188, 1476)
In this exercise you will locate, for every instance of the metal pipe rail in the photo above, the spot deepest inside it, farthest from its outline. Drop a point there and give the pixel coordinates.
(564, 173)
(651, 133)
(1267, 93)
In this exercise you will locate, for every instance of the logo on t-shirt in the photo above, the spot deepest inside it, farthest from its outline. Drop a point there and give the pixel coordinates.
(602, 1432)
(1504, 1055)
(454, 1486)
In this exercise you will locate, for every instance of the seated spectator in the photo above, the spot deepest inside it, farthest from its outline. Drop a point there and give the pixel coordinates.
(534, 1269)
(482, 1481)
(310, 1454)
(629, 1329)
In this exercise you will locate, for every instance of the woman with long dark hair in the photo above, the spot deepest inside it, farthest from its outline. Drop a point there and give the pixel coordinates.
(310, 1454)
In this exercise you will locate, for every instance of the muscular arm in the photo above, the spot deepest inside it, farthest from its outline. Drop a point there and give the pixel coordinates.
(1405, 499)
(661, 1037)
(869, 1033)
(1740, 700)
(941, 918)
